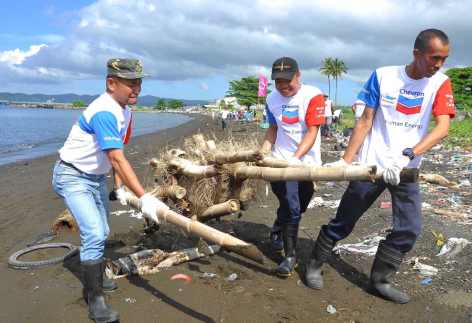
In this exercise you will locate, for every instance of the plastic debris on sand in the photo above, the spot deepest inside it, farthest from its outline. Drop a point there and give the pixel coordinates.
(385, 205)
(427, 280)
(182, 276)
(231, 278)
(318, 201)
(425, 270)
(209, 276)
(133, 214)
(368, 246)
(331, 309)
(452, 247)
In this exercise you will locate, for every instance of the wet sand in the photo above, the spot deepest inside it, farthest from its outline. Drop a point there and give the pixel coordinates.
(29, 205)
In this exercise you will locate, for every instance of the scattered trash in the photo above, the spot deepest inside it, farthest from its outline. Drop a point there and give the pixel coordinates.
(385, 205)
(134, 214)
(427, 280)
(424, 270)
(130, 300)
(334, 185)
(327, 195)
(36, 288)
(209, 276)
(331, 309)
(452, 247)
(231, 278)
(465, 183)
(43, 237)
(263, 206)
(181, 276)
(368, 246)
(318, 201)
(440, 238)
(426, 205)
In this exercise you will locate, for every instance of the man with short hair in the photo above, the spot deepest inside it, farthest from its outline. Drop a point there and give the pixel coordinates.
(328, 110)
(392, 133)
(295, 111)
(358, 109)
(224, 117)
(337, 117)
(95, 145)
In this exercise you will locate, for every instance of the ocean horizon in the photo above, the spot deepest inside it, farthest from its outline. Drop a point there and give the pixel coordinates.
(28, 133)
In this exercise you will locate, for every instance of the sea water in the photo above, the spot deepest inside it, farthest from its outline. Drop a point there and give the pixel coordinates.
(27, 133)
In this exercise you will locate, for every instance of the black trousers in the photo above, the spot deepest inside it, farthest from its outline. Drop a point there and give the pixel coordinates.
(293, 197)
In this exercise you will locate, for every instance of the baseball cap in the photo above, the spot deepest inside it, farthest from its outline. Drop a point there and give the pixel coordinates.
(326, 94)
(284, 68)
(127, 68)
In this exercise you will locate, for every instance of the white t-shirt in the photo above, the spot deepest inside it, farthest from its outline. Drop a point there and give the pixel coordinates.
(328, 106)
(360, 107)
(103, 125)
(224, 114)
(404, 107)
(293, 115)
(338, 112)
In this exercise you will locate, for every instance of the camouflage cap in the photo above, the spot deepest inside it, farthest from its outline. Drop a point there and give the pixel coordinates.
(127, 68)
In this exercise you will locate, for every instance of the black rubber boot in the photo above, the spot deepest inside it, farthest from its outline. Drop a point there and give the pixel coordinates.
(275, 235)
(387, 260)
(108, 284)
(93, 281)
(319, 255)
(289, 237)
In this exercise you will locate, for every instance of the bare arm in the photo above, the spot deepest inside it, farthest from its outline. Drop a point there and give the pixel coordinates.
(307, 141)
(271, 136)
(125, 171)
(440, 131)
(116, 178)
(361, 129)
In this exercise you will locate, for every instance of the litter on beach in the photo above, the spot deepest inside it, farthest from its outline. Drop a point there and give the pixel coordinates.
(452, 248)
(318, 201)
(425, 270)
(368, 247)
(133, 214)
(385, 205)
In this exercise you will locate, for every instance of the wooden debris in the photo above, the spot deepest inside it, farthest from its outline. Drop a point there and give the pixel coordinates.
(240, 156)
(65, 219)
(228, 242)
(174, 192)
(452, 214)
(186, 167)
(152, 261)
(219, 210)
(434, 179)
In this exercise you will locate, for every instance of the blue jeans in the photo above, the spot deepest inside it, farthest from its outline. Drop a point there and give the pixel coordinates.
(86, 197)
(359, 197)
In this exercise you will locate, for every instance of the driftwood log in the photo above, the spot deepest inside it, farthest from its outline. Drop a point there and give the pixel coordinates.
(407, 175)
(228, 242)
(211, 144)
(200, 141)
(174, 192)
(364, 173)
(240, 156)
(186, 167)
(152, 261)
(65, 220)
(219, 210)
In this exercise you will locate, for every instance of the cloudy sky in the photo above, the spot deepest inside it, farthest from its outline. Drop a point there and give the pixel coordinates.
(193, 47)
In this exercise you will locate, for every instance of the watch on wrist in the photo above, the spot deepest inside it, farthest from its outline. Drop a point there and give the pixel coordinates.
(409, 152)
(117, 187)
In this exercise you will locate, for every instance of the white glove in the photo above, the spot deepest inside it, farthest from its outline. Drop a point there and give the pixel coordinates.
(149, 204)
(339, 163)
(295, 162)
(121, 196)
(392, 174)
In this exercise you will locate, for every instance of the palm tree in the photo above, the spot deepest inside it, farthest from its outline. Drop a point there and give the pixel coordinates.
(338, 68)
(327, 70)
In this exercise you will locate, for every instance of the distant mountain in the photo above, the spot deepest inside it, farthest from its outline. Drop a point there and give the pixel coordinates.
(146, 100)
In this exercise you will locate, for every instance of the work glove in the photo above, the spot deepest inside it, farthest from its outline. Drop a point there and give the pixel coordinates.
(392, 174)
(121, 196)
(340, 163)
(149, 204)
(295, 162)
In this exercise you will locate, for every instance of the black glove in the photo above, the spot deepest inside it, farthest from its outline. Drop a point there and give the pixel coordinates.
(112, 196)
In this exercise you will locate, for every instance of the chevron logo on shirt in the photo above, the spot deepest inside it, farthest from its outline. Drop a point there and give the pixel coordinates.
(409, 106)
(290, 115)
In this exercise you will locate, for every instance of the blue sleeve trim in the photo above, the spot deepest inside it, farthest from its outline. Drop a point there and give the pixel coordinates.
(270, 116)
(82, 123)
(370, 94)
(105, 127)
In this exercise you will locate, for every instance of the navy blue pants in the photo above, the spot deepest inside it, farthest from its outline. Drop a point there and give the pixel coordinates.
(294, 198)
(359, 196)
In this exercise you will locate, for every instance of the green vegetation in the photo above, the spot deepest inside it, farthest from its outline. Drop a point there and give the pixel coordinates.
(327, 70)
(175, 104)
(246, 91)
(335, 68)
(461, 81)
(160, 104)
(79, 104)
(229, 105)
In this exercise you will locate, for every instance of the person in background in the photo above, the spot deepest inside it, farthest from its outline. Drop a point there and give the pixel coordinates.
(224, 117)
(295, 112)
(264, 115)
(94, 146)
(254, 113)
(328, 110)
(392, 133)
(358, 109)
(337, 117)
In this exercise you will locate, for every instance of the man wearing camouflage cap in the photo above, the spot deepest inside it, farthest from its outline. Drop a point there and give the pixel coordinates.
(95, 145)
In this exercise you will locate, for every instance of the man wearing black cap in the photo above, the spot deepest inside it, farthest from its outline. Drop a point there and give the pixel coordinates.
(95, 145)
(295, 111)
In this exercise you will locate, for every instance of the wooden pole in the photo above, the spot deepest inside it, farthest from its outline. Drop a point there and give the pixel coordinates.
(219, 210)
(240, 156)
(175, 192)
(201, 144)
(211, 144)
(364, 173)
(407, 175)
(186, 167)
(224, 240)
